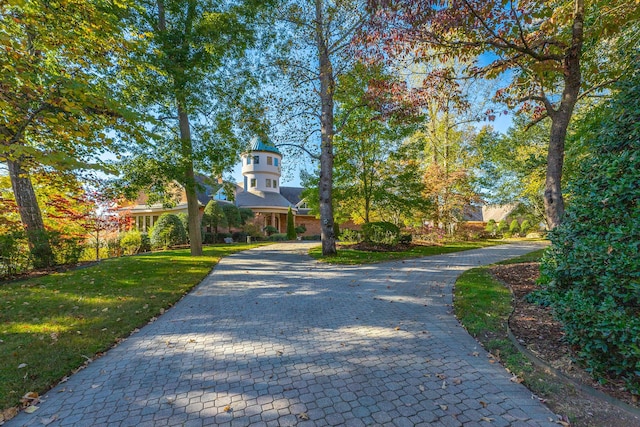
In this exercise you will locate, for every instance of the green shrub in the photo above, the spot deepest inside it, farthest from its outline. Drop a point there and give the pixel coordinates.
(66, 250)
(113, 246)
(239, 236)
(514, 227)
(491, 227)
(591, 273)
(291, 229)
(168, 232)
(301, 229)
(405, 238)
(278, 237)
(502, 227)
(349, 235)
(381, 232)
(270, 229)
(184, 219)
(525, 227)
(314, 237)
(14, 253)
(131, 242)
(145, 243)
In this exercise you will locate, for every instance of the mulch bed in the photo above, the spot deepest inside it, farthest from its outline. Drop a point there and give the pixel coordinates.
(536, 329)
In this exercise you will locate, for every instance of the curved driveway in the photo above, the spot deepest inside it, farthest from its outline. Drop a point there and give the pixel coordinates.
(272, 337)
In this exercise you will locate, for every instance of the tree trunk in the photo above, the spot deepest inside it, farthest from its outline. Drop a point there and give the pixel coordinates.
(30, 214)
(193, 206)
(327, 85)
(553, 200)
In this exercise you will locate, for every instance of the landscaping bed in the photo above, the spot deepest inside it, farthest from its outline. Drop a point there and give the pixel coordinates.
(534, 327)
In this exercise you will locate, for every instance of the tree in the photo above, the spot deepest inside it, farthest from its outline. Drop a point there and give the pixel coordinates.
(590, 273)
(366, 181)
(214, 217)
(57, 93)
(550, 53)
(320, 33)
(291, 229)
(198, 89)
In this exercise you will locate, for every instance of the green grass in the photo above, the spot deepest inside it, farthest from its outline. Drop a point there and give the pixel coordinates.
(354, 256)
(52, 324)
(534, 256)
(483, 305)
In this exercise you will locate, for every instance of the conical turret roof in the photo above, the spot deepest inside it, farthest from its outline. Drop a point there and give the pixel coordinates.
(263, 144)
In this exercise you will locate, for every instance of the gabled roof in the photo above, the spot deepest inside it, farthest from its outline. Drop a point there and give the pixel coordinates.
(250, 199)
(292, 194)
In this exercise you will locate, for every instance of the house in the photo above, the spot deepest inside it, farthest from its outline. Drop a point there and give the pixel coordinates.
(260, 191)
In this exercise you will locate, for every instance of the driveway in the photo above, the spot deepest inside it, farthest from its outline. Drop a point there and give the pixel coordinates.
(273, 338)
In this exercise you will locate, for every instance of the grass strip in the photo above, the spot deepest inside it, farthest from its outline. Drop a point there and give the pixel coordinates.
(483, 305)
(53, 324)
(348, 256)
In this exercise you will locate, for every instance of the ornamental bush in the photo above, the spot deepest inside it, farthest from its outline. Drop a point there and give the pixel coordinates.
(525, 227)
(381, 232)
(502, 227)
(291, 229)
(131, 242)
(167, 232)
(591, 274)
(514, 227)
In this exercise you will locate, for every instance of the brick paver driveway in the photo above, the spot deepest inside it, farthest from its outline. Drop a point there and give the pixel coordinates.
(273, 338)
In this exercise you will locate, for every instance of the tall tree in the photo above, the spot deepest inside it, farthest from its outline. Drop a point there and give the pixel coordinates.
(197, 87)
(366, 184)
(551, 53)
(56, 92)
(318, 34)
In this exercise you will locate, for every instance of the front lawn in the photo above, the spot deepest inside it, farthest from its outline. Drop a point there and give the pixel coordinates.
(355, 256)
(53, 324)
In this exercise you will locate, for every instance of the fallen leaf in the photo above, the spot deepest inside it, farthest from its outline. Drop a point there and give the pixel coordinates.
(22, 365)
(441, 376)
(457, 381)
(32, 395)
(444, 384)
(487, 419)
(47, 421)
(484, 404)
(421, 387)
(227, 408)
(31, 409)
(444, 407)
(95, 385)
(516, 380)
(303, 416)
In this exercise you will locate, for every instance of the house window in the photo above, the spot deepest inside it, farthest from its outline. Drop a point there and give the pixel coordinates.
(253, 182)
(275, 184)
(268, 180)
(249, 160)
(269, 160)
(220, 195)
(275, 161)
(256, 160)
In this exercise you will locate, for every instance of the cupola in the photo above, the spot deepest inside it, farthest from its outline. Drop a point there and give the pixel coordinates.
(261, 166)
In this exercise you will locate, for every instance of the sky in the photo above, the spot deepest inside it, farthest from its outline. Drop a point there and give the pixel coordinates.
(292, 165)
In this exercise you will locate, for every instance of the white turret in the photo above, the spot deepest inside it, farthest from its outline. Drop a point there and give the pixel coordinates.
(261, 167)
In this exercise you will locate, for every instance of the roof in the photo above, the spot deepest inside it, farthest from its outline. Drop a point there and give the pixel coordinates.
(292, 194)
(263, 144)
(204, 189)
(246, 199)
(487, 212)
